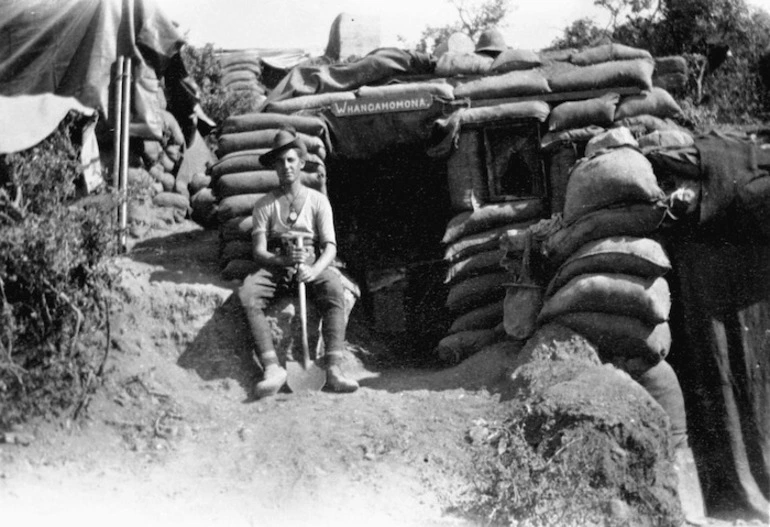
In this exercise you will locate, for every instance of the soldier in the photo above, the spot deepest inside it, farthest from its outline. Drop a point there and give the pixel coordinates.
(294, 208)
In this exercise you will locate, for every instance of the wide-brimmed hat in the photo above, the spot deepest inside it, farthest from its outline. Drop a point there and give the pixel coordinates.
(283, 140)
(491, 40)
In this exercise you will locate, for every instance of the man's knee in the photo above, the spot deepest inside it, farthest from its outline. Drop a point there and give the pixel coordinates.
(257, 289)
(328, 288)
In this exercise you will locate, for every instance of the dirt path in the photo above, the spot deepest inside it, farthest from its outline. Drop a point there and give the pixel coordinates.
(174, 437)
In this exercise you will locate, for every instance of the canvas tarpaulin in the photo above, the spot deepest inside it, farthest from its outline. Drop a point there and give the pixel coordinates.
(378, 65)
(69, 48)
(721, 353)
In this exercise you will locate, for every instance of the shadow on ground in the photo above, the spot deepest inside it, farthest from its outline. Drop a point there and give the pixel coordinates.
(222, 349)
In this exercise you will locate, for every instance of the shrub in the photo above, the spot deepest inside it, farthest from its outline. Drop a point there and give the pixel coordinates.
(218, 102)
(53, 280)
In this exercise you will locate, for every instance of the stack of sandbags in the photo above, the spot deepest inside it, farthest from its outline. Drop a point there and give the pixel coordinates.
(238, 179)
(172, 167)
(609, 285)
(475, 277)
(242, 73)
(572, 124)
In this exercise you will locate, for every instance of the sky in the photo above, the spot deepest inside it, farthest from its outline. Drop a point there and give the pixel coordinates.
(305, 24)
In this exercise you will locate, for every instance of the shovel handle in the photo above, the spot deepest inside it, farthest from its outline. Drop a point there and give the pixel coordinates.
(303, 322)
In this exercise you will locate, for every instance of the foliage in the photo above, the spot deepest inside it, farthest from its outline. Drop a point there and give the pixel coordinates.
(217, 101)
(473, 18)
(563, 478)
(53, 280)
(581, 33)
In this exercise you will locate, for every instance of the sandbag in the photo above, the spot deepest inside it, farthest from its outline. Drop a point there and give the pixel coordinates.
(151, 152)
(620, 336)
(238, 228)
(613, 138)
(647, 299)
(656, 101)
(476, 291)
(166, 162)
(615, 177)
(490, 216)
(457, 347)
(625, 73)
(481, 242)
(633, 220)
(466, 173)
(257, 139)
(203, 206)
(232, 58)
(453, 64)
(235, 250)
(607, 53)
(484, 317)
(161, 176)
(257, 182)
(199, 182)
(599, 111)
(644, 124)
(481, 263)
(642, 257)
(174, 152)
(249, 122)
(442, 89)
(239, 75)
(239, 269)
(509, 111)
(170, 199)
(309, 102)
(665, 139)
(172, 132)
(576, 135)
(234, 206)
(560, 164)
(516, 59)
(511, 84)
(248, 160)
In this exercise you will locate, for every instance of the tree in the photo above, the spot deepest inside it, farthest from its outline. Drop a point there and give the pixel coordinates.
(582, 32)
(473, 17)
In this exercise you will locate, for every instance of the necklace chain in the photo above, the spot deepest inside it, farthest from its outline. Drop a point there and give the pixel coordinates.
(293, 212)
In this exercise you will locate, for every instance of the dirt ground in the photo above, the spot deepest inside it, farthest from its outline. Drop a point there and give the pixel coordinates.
(174, 437)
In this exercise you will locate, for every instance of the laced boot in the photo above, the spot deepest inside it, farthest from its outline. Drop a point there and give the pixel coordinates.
(336, 380)
(274, 376)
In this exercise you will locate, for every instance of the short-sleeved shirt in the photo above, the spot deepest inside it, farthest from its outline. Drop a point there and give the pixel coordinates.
(271, 216)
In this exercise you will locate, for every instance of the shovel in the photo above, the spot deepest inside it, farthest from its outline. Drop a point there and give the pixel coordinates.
(306, 375)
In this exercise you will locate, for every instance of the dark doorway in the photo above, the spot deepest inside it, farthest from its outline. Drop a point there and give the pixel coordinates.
(390, 214)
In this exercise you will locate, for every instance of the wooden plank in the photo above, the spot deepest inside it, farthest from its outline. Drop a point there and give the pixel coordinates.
(556, 97)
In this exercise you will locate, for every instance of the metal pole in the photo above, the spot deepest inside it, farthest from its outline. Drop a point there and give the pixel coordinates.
(125, 120)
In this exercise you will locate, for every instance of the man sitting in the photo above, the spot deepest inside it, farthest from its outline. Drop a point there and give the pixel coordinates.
(294, 208)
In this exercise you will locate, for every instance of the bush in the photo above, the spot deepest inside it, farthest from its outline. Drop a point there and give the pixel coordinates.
(218, 102)
(53, 280)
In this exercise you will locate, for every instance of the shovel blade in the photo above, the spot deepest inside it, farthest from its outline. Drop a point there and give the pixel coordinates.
(305, 379)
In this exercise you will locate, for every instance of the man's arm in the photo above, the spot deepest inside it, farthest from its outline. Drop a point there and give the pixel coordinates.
(264, 257)
(308, 273)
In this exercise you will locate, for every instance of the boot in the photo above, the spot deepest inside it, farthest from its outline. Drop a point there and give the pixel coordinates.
(336, 380)
(274, 376)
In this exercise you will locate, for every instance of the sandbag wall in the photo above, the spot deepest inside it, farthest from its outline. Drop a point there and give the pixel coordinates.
(238, 179)
(609, 284)
(242, 74)
(475, 278)
(175, 170)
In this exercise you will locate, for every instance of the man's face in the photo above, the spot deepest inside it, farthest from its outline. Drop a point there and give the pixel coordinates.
(288, 165)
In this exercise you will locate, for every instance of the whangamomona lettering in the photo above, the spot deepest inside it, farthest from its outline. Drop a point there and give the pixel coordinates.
(348, 108)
